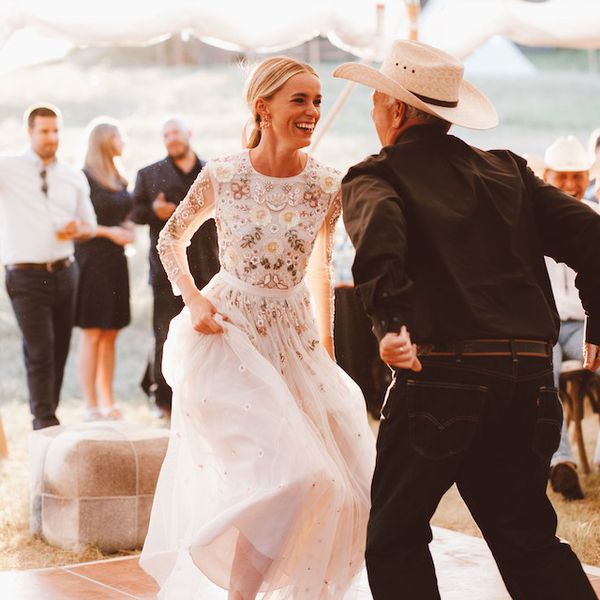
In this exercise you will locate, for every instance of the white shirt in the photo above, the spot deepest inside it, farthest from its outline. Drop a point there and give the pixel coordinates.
(29, 219)
(565, 293)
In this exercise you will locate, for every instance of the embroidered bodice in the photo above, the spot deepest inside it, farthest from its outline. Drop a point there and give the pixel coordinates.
(268, 227)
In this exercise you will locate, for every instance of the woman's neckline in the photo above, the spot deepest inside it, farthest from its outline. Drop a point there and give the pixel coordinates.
(256, 172)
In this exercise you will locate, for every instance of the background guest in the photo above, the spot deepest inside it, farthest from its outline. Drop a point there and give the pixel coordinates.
(593, 192)
(103, 291)
(356, 348)
(159, 188)
(567, 168)
(44, 207)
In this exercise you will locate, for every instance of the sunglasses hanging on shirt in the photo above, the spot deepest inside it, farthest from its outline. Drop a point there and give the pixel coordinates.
(44, 182)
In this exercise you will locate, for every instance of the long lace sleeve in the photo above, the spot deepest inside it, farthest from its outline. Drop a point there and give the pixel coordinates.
(195, 208)
(319, 276)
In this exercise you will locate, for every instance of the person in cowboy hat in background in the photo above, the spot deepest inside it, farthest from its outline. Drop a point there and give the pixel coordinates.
(567, 167)
(450, 243)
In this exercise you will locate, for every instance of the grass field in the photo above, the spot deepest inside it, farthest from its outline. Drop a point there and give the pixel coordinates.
(533, 112)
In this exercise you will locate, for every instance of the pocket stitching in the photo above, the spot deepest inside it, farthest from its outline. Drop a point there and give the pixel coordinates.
(437, 423)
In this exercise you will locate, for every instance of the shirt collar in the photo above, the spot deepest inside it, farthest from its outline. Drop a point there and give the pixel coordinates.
(35, 158)
(420, 131)
(178, 170)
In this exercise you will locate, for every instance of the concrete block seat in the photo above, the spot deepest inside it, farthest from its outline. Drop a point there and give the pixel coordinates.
(93, 484)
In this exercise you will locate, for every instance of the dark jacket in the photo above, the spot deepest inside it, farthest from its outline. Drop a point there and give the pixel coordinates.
(164, 176)
(450, 241)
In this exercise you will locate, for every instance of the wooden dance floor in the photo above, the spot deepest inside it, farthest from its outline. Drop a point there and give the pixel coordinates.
(464, 565)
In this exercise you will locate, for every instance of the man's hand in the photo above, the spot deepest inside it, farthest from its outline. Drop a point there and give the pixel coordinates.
(69, 231)
(397, 350)
(162, 208)
(591, 357)
(121, 235)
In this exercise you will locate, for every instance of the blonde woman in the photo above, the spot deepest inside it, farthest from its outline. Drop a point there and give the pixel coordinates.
(265, 486)
(103, 290)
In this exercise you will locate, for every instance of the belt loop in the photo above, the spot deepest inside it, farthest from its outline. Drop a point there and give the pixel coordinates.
(513, 351)
(460, 348)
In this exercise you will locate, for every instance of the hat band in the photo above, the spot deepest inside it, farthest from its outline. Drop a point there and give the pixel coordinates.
(435, 101)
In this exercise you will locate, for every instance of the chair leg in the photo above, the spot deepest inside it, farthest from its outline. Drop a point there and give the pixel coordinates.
(3, 444)
(567, 399)
(577, 417)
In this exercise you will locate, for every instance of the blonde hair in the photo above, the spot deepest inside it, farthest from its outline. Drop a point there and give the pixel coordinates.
(265, 80)
(100, 161)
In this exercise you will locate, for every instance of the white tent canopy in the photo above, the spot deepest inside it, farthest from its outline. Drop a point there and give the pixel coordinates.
(37, 30)
(498, 56)
(461, 26)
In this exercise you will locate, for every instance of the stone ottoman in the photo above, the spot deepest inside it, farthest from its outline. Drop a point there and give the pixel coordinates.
(93, 484)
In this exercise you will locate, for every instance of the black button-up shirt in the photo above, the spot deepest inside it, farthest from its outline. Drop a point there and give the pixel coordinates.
(164, 176)
(450, 241)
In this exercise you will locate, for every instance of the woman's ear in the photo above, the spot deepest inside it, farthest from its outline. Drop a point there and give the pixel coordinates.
(261, 108)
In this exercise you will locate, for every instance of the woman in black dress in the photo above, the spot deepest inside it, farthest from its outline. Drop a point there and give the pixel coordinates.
(103, 292)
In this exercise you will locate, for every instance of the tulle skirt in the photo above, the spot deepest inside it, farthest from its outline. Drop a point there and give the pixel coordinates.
(270, 458)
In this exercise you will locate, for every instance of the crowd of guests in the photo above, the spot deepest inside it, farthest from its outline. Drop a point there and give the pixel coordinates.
(63, 235)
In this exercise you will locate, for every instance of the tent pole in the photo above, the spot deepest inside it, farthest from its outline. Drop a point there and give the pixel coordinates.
(347, 91)
(331, 115)
(414, 9)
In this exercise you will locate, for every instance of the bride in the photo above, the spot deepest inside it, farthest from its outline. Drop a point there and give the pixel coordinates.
(265, 486)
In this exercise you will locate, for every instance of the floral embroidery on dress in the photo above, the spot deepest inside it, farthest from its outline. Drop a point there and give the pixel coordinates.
(271, 222)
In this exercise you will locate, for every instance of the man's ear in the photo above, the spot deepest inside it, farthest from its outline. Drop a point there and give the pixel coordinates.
(398, 114)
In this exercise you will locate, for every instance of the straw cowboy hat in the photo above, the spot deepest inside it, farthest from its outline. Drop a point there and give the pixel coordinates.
(428, 79)
(567, 154)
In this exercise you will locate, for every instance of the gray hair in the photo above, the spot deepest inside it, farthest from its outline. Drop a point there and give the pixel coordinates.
(415, 113)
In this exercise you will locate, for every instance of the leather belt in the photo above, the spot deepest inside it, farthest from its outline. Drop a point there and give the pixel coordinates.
(50, 267)
(486, 348)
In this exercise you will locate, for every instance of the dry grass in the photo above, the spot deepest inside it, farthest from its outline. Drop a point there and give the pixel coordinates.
(18, 549)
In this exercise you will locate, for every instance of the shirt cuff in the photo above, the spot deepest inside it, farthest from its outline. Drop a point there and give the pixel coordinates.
(592, 331)
(388, 323)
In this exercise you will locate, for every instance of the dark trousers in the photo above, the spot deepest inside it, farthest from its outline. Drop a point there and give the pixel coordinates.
(166, 307)
(44, 306)
(490, 424)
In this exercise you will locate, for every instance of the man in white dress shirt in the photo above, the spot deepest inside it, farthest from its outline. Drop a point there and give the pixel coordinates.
(567, 168)
(44, 207)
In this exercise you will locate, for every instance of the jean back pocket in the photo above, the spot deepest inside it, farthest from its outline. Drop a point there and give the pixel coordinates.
(443, 417)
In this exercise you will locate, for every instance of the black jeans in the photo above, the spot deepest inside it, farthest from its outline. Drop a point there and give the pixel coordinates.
(44, 306)
(166, 307)
(490, 424)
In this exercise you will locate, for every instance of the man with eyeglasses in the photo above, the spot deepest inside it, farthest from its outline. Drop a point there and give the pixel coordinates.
(44, 207)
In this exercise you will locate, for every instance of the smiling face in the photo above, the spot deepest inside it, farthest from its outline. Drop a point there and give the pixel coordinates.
(44, 137)
(574, 183)
(293, 111)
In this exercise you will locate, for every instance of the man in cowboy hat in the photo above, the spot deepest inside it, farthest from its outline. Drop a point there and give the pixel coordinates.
(450, 243)
(567, 167)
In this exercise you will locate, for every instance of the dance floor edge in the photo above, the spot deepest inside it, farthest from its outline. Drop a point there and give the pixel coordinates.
(465, 570)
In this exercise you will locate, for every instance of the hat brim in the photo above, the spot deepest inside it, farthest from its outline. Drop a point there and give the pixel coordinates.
(474, 109)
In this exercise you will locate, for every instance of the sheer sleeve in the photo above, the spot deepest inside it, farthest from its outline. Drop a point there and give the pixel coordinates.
(197, 207)
(319, 276)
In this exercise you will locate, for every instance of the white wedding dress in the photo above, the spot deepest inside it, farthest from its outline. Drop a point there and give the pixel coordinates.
(270, 454)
